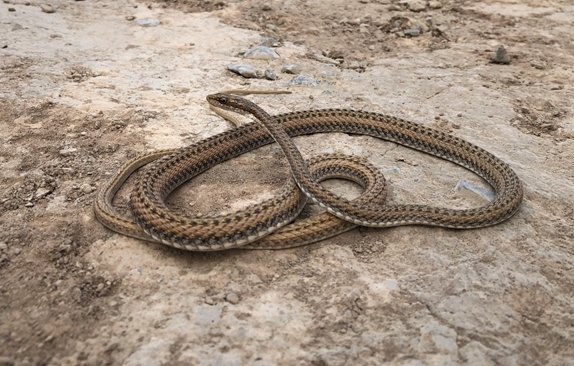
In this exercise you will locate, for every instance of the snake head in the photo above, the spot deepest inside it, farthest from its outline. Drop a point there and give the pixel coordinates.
(236, 104)
(226, 101)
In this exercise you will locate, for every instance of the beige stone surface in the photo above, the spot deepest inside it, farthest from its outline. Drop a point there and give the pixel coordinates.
(83, 89)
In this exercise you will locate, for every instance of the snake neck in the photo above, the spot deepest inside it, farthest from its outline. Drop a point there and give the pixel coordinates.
(294, 158)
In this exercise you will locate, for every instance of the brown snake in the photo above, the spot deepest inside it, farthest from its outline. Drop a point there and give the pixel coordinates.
(243, 228)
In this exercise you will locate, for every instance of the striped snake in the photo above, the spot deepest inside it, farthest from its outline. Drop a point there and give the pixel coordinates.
(251, 227)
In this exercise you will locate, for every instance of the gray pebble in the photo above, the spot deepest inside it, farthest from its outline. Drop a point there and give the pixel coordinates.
(291, 69)
(271, 27)
(416, 5)
(412, 32)
(148, 22)
(261, 52)
(68, 151)
(16, 26)
(501, 56)
(269, 42)
(29, 204)
(65, 248)
(86, 188)
(232, 298)
(433, 4)
(42, 192)
(485, 193)
(243, 70)
(270, 75)
(47, 8)
(304, 80)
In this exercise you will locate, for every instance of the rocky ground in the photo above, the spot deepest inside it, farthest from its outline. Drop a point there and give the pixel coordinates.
(87, 85)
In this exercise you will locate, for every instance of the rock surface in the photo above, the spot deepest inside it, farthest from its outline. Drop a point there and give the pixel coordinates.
(83, 90)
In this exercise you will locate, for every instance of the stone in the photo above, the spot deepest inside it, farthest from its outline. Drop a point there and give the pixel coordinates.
(261, 53)
(291, 69)
(232, 298)
(304, 80)
(412, 32)
(42, 192)
(148, 22)
(500, 56)
(47, 8)
(68, 151)
(270, 75)
(433, 4)
(269, 42)
(416, 5)
(86, 188)
(243, 70)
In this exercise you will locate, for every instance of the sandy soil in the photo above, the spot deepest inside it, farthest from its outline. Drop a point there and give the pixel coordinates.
(85, 88)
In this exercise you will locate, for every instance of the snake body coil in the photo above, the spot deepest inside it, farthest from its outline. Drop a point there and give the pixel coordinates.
(244, 228)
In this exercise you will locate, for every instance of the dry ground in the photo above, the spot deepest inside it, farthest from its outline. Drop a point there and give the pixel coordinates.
(83, 89)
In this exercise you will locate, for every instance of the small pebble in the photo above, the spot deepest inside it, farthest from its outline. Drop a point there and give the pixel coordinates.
(29, 204)
(209, 301)
(11, 9)
(303, 80)
(148, 22)
(86, 188)
(244, 70)
(100, 287)
(291, 69)
(269, 42)
(416, 5)
(261, 53)
(47, 8)
(16, 26)
(435, 4)
(68, 151)
(65, 248)
(485, 193)
(412, 32)
(270, 75)
(130, 17)
(3, 246)
(501, 56)
(42, 192)
(232, 298)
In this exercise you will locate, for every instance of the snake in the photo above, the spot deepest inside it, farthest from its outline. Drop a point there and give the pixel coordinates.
(249, 228)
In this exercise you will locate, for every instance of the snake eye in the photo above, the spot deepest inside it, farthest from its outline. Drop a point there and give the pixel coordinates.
(222, 100)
